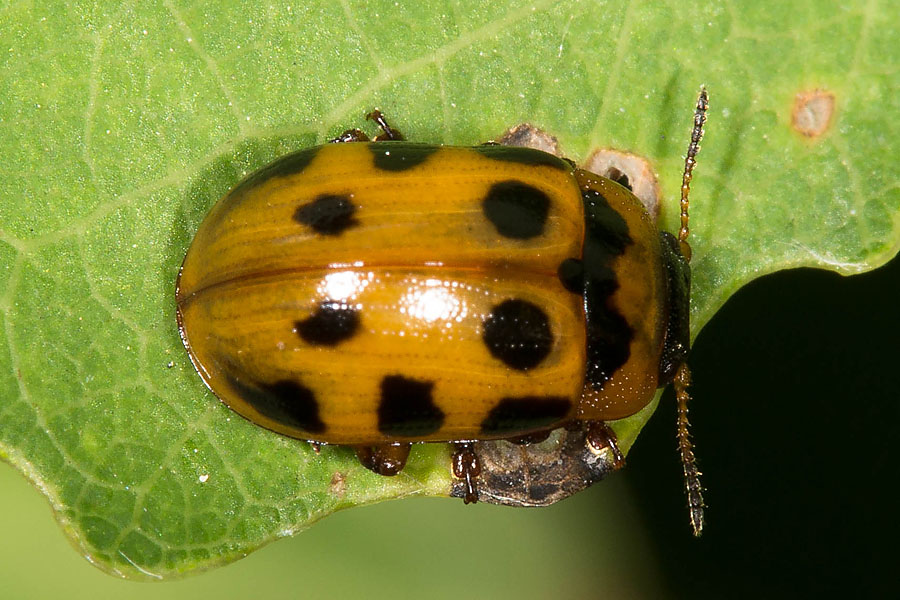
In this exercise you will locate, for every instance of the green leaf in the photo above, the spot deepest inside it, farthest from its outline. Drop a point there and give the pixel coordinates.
(122, 124)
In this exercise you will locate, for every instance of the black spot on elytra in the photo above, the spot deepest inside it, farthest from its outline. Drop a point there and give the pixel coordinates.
(400, 156)
(609, 335)
(571, 274)
(526, 413)
(606, 228)
(407, 408)
(287, 402)
(332, 323)
(516, 209)
(523, 156)
(517, 332)
(329, 214)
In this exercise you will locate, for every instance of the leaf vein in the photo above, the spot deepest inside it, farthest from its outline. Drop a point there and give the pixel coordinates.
(194, 44)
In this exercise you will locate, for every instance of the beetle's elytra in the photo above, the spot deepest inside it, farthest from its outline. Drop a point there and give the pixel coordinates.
(380, 293)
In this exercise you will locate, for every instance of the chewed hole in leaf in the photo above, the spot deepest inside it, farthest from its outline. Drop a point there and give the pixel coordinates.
(630, 171)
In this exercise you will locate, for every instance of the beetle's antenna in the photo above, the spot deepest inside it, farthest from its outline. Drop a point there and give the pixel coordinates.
(682, 381)
(689, 163)
(686, 450)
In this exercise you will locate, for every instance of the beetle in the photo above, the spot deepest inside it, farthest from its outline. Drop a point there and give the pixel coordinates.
(382, 293)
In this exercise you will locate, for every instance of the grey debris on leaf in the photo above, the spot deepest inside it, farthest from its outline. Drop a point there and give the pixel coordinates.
(537, 474)
(526, 135)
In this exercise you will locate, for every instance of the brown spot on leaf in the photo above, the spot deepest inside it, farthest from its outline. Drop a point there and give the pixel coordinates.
(813, 112)
(338, 485)
(529, 136)
(630, 171)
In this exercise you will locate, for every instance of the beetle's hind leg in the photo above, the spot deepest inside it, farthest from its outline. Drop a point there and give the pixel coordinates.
(467, 467)
(600, 436)
(384, 459)
(388, 132)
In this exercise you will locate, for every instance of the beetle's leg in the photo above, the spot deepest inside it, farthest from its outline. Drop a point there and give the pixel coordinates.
(351, 135)
(600, 436)
(389, 133)
(466, 466)
(384, 459)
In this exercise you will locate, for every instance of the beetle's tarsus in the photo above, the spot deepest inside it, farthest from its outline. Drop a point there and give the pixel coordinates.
(384, 459)
(467, 467)
(600, 436)
(389, 133)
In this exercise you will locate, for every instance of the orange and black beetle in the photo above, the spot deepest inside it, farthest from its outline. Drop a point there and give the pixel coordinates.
(382, 293)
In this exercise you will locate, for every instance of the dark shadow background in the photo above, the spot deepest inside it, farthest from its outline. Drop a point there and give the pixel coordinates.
(795, 415)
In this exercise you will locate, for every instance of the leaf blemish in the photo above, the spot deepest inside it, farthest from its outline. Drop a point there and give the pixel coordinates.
(629, 170)
(338, 485)
(528, 136)
(812, 112)
(626, 169)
